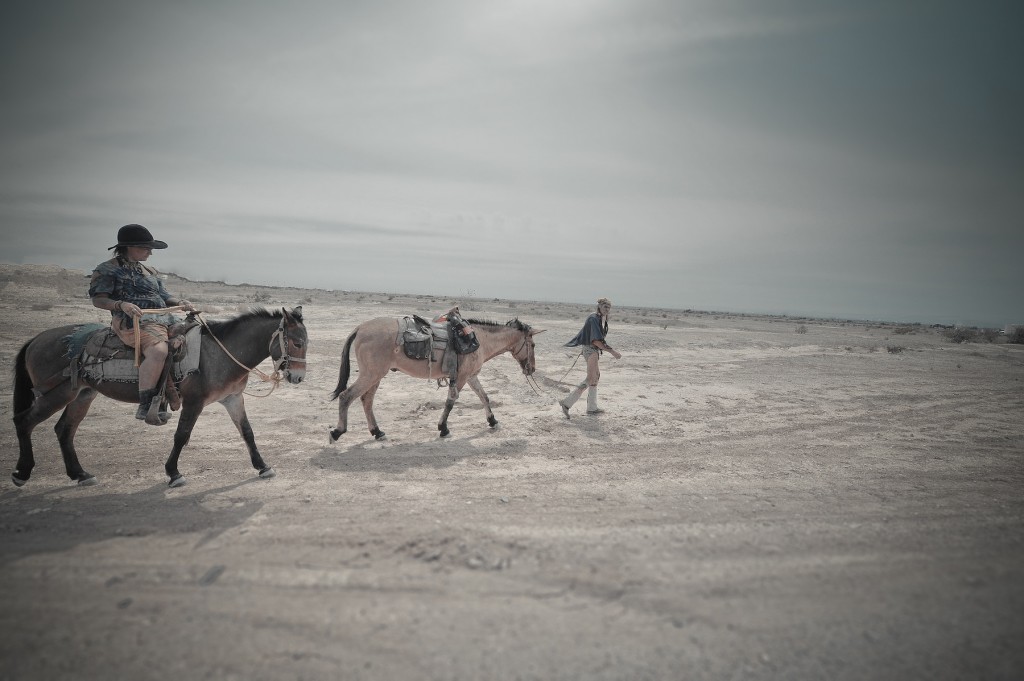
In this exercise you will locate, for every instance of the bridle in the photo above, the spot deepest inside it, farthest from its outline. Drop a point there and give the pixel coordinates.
(524, 344)
(283, 363)
(530, 380)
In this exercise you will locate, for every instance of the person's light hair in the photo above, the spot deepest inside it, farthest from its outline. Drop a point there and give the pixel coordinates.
(604, 301)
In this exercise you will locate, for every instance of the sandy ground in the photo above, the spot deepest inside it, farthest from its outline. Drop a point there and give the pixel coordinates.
(758, 503)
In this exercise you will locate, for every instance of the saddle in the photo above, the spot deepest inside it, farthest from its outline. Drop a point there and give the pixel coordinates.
(440, 341)
(96, 354)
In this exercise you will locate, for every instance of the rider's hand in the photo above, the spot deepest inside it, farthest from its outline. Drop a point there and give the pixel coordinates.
(131, 309)
(187, 306)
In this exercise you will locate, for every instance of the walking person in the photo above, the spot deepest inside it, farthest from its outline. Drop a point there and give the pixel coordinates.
(127, 287)
(592, 339)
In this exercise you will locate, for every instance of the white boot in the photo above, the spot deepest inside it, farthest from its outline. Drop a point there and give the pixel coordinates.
(571, 398)
(592, 407)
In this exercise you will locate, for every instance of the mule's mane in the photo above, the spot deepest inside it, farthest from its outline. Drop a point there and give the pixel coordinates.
(512, 323)
(226, 326)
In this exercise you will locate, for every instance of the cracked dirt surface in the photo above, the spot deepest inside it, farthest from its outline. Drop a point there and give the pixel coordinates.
(756, 503)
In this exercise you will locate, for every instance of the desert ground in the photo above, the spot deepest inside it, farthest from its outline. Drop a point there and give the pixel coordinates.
(765, 498)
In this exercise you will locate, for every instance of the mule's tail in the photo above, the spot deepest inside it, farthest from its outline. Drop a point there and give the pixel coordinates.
(345, 367)
(23, 397)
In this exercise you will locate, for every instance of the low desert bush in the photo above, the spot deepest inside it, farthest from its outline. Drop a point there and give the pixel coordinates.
(1016, 335)
(961, 334)
(894, 349)
(801, 329)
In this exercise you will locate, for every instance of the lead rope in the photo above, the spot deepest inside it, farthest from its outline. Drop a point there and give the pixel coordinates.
(274, 378)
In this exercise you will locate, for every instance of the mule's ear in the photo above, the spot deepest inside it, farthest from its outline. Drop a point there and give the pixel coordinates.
(534, 332)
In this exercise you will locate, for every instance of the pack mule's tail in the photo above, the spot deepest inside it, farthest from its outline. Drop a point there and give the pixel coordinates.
(343, 373)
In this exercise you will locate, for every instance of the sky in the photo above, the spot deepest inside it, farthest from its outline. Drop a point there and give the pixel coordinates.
(857, 160)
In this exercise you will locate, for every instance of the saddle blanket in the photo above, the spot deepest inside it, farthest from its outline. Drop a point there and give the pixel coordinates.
(103, 357)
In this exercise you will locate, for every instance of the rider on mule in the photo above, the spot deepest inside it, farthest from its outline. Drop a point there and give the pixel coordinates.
(127, 287)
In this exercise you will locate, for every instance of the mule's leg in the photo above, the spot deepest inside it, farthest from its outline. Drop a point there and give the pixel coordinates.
(182, 434)
(453, 394)
(235, 404)
(371, 420)
(66, 428)
(347, 396)
(474, 383)
(26, 421)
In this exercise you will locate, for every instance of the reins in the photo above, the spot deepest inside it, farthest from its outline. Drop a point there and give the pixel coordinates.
(274, 378)
(138, 330)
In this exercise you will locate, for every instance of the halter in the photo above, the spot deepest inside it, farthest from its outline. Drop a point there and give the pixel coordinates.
(526, 339)
(285, 360)
(282, 362)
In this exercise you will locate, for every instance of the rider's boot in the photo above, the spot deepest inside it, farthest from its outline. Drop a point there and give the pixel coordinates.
(146, 398)
(571, 398)
(592, 407)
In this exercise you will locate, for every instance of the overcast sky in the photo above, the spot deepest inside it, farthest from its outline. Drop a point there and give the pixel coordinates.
(857, 158)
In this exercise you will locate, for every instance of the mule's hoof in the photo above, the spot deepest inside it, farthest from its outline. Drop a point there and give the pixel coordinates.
(377, 434)
(177, 481)
(18, 482)
(492, 422)
(334, 435)
(88, 481)
(565, 411)
(267, 473)
(446, 433)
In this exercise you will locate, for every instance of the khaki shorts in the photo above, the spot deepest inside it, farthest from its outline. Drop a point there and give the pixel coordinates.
(150, 333)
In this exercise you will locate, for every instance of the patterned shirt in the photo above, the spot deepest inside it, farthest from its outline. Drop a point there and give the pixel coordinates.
(131, 282)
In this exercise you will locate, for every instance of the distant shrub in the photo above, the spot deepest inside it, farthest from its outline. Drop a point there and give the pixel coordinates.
(903, 330)
(801, 329)
(961, 334)
(1016, 335)
(260, 297)
(989, 335)
(894, 349)
(42, 307)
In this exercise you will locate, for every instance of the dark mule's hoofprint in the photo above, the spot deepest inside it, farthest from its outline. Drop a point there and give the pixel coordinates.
(229, 350)
(378, 350)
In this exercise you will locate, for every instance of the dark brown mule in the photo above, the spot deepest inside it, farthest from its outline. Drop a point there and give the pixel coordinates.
(249, 338)
(377, 352)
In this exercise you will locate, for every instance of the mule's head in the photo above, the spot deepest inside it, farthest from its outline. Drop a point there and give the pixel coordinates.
(523, 348)
(288, 346)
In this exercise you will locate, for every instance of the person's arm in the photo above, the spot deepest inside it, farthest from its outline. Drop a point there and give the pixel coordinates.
(105, 302)
(173, 301)
(177, 302)
(607, 348)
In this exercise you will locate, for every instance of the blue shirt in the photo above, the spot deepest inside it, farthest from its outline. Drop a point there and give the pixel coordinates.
(592, 330)
(131, 283)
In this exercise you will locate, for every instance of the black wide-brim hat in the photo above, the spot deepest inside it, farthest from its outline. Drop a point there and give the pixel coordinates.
(137, 235)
